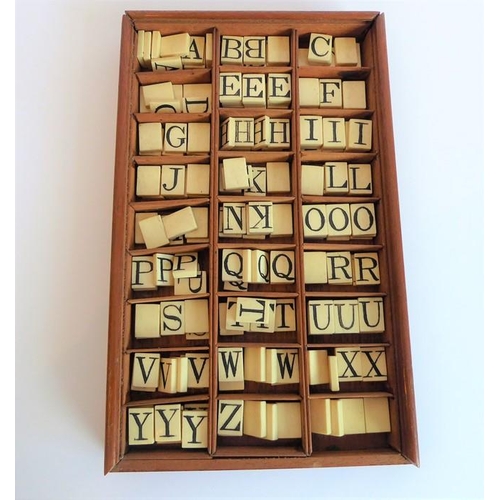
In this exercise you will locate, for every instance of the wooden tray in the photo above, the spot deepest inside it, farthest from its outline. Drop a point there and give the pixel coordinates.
(310, 448)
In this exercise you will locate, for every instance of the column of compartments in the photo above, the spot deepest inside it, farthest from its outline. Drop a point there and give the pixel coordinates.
(343, 251)
(167, 351)
(260, 363)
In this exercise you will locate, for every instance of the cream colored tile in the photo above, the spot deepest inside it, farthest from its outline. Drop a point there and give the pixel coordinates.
(143, 273)
(197, 98)
(141, 426)
(353, 415)
(282, 366)
(311, 132)
(337, 417)
(196, 316)
(377, 416)
(278, 177)
(346, 53)
(230, 417)
(254, 419)
(235, 173)
(285, 316)
(230, 90)
(231, 50)
(278, 51)
(338, 221)
(282, 266)
(194, 429)
(198, 370)
(176, 138)
(196, 55)
(320, 50)
(197, 179)
(254, 51)
(164, 267)
(172, 318)
(166, 63)
(260, 266)
(147, 321)
(321, 319)
(279, 90)
(145, 373)
(157, 92)
(198, 138)
(360, 178)
(255, 363)
(358, 135)
(173, 181)
(334, 133)
(373, 364)
(330, 93)
(314, 219)
(231, 368)
(312, 180)
(346, 315)
(254, 90)
(168, 423)
(319, 372)
(153, 232)
(349, 364)
(315, 268)
(179, 223)
(289, 420)
(148, 181)
(366, 268)
(150, 138)
(354, 94)
(282, 220)
(309, 92)
(168, 375)
(321, 419)
(175, 45)
(364, 223)
(260, 217)
(371, 314)
(339, 268)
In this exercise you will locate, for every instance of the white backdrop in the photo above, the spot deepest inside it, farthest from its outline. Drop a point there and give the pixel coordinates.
(67, 55)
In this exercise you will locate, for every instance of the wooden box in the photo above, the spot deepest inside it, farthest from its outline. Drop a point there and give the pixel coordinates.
(281, 309)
